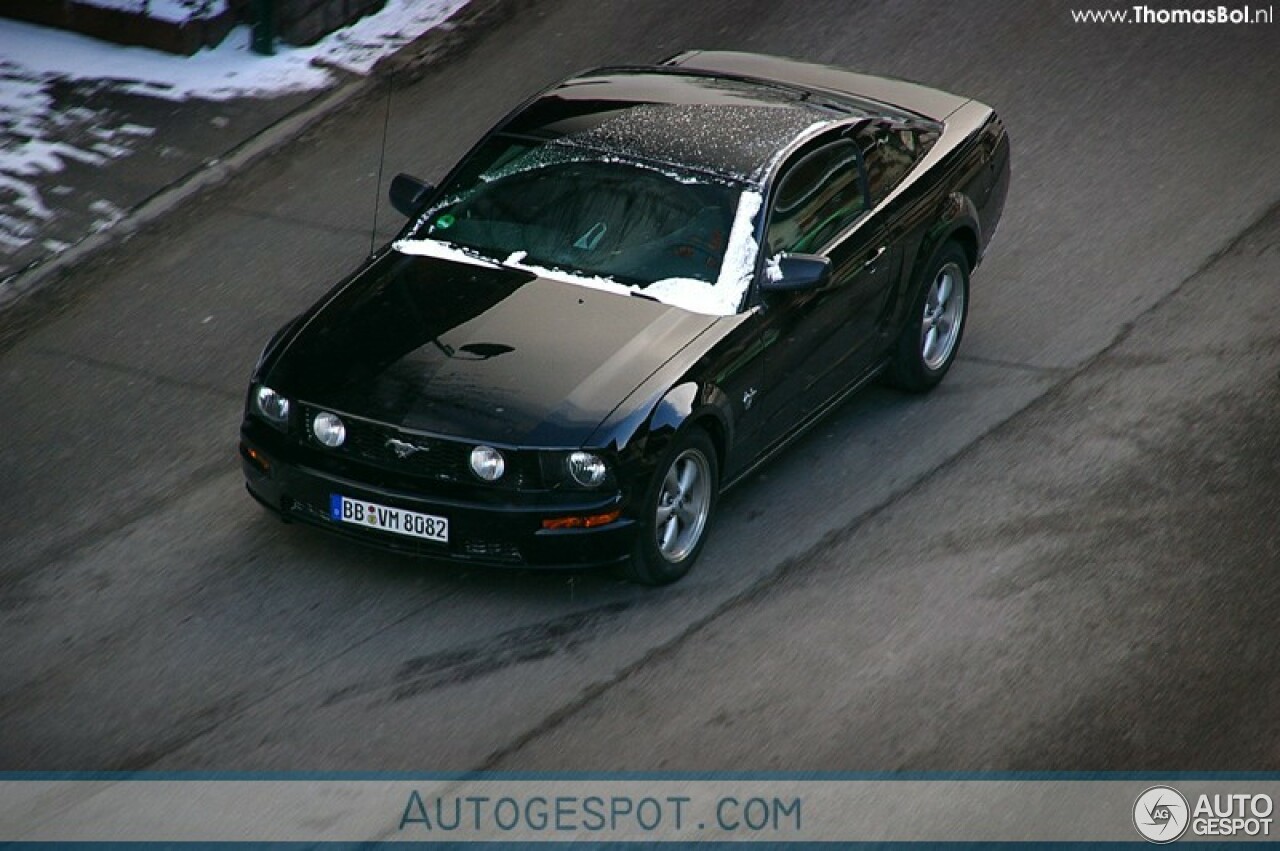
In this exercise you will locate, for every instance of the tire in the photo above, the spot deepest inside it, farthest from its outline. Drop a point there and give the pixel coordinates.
(670, 541)
(918, 362)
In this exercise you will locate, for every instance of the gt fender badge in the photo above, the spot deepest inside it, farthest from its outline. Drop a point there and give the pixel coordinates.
(748, 398)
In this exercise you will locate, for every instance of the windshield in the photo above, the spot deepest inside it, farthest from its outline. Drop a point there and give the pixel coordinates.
(599, 218)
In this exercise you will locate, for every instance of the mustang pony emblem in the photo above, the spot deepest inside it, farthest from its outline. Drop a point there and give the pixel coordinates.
(404, 449)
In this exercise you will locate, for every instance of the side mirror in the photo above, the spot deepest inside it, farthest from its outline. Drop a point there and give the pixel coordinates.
(789, 273)
(408, 193)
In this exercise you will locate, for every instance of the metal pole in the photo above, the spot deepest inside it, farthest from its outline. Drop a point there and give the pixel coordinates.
(264, 27)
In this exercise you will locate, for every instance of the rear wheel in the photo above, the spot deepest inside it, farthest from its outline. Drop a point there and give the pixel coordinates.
(677, 510)
(928, 344)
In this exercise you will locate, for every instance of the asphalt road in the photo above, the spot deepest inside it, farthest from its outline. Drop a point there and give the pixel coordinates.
(1064, 558)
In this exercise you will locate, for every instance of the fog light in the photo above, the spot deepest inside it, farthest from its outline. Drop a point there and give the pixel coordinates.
(487, 463)
(329, 429)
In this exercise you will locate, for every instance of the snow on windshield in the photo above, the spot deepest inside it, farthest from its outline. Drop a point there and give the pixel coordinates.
(442, 251)
(724, 296)
(721, 298)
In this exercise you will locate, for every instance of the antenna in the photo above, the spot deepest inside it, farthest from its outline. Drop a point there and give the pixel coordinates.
(382, 158)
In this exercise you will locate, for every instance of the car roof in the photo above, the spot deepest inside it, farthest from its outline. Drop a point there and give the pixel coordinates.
(733, 127)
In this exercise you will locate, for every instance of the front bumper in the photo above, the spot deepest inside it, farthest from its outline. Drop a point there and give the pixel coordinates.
(499, 533)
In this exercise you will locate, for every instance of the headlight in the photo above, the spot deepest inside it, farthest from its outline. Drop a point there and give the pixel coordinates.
(587, 469)
(329, 429)
(487, 463)
(271, 406)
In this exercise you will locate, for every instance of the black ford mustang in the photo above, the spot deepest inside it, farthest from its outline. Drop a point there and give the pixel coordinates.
(631, 293)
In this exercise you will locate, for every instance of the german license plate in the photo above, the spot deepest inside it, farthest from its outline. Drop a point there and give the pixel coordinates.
(371, 515)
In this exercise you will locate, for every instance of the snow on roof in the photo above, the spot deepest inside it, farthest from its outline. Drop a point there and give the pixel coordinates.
(736, 140)
(729, 127)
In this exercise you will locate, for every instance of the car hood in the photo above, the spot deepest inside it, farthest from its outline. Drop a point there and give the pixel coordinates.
(491, 354)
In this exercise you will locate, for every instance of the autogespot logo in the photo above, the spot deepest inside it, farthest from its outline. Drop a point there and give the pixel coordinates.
(1160, 814)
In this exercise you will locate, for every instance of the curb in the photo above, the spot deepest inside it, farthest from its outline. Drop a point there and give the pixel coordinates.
(29, 294)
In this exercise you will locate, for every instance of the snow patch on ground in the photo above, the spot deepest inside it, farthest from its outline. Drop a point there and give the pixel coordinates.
(34, 132)
(228, 70)
(34, 143)
(174, 11)
(107, 215)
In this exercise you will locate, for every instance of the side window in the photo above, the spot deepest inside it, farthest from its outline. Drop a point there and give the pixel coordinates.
(818, 196)
(889, 152)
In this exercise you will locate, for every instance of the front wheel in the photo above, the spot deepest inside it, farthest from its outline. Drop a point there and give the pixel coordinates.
(929, 342)
(677, 510)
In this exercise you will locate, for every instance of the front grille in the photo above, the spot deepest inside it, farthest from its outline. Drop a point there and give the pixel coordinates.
(424, 456)
(492, 551)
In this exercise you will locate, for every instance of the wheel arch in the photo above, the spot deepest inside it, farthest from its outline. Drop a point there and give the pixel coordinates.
(967, 238)
(905, 369)
(691, 404)
(683, 417)
(711, 423)
(957, 222)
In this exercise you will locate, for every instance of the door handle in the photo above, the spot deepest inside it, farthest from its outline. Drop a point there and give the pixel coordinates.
(874, 257)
